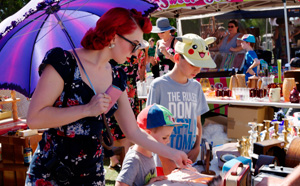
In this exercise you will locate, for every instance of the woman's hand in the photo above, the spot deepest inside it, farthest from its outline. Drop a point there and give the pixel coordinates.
(98, 104)
(163, 50)
(180, 158)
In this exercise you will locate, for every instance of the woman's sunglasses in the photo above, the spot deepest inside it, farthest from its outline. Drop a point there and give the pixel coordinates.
(230, 26)
(135, 45)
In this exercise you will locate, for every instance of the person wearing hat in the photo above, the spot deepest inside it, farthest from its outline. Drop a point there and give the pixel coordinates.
(251, 60)
(164, 54)
(139, 167)
(182, 94)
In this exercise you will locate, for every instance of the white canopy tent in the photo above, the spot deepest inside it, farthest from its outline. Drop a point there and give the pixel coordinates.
(207, 8)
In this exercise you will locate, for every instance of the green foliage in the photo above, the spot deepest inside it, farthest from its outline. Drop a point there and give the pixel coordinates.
(9, 7)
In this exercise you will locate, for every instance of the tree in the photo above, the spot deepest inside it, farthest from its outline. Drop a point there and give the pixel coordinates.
(9, 7)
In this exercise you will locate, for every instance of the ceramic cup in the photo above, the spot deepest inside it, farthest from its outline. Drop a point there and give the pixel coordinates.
(274, 94)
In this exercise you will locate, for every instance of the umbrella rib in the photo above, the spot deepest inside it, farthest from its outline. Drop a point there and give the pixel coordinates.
(77, 18)
(46, 33)
(77, 8)
(33, 30)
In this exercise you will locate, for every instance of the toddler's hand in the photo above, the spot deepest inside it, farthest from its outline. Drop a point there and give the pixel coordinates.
(158, 178)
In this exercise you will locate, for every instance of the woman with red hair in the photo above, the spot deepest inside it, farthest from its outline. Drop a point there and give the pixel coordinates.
(70, 101)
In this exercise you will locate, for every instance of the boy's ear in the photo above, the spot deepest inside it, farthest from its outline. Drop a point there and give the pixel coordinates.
(176, 57)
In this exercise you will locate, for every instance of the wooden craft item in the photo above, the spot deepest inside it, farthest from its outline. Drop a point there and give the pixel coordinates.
(287, 87)
(272, 147)
(293, 153)
(259, 130)
(252, 82)
(267, 126)
(206, 158)
(276, 125)
(241, 80)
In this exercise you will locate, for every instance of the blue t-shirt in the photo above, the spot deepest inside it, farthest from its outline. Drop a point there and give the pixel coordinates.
(186, 102)
(250, 56)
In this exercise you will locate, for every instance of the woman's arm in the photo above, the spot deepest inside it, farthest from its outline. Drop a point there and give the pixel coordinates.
(42, 114)
(216, 48)
(238, 45)
(128, 124)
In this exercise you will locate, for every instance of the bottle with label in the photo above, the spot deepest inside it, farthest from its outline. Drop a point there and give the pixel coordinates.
(27, 154)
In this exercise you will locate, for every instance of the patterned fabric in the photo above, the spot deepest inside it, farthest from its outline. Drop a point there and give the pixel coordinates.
(73, 151)
(162, 60)
(131, 69)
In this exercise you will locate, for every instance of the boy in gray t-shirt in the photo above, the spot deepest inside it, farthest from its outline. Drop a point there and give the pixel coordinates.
(138, 167)
(183, 95)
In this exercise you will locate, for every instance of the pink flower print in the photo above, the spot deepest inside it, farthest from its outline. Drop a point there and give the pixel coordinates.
(42, 182)
(99, 151)
(72, 102)
(47, 147)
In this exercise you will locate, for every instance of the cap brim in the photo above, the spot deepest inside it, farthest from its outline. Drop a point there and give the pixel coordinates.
(240, 39)
(176, 124)
(156, 29)
(208, 63)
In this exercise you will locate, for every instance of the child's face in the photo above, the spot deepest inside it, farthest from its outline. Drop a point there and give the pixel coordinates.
(162, 134)
(244, 44)
(151, 43)
(188, 69)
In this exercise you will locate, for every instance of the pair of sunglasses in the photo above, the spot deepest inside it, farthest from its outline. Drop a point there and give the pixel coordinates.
(230, 26)
(135, 45)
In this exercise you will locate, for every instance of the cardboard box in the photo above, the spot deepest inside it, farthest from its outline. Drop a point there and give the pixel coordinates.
(239, 116)
(5, 114)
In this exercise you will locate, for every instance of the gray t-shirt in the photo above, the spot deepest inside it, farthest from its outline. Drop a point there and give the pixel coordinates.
(137, 169)
(186, 102)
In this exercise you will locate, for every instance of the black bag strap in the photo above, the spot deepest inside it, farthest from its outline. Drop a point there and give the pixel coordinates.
(108, 142)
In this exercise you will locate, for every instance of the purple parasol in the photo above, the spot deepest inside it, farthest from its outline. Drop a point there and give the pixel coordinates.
(24, 43)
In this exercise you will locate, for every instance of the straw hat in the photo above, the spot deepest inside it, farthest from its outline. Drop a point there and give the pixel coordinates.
(162, 25)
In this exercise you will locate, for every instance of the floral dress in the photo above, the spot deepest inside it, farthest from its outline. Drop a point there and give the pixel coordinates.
(131, 70)
(71, 154)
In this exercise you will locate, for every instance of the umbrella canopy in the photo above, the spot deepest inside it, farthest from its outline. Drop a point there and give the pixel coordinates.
(25, 42)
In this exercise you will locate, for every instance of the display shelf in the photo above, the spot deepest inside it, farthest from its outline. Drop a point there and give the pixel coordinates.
(9, 100)
(13, 167)
(13, 100)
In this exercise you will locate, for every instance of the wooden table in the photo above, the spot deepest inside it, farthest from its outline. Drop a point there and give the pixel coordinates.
(255, 102)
